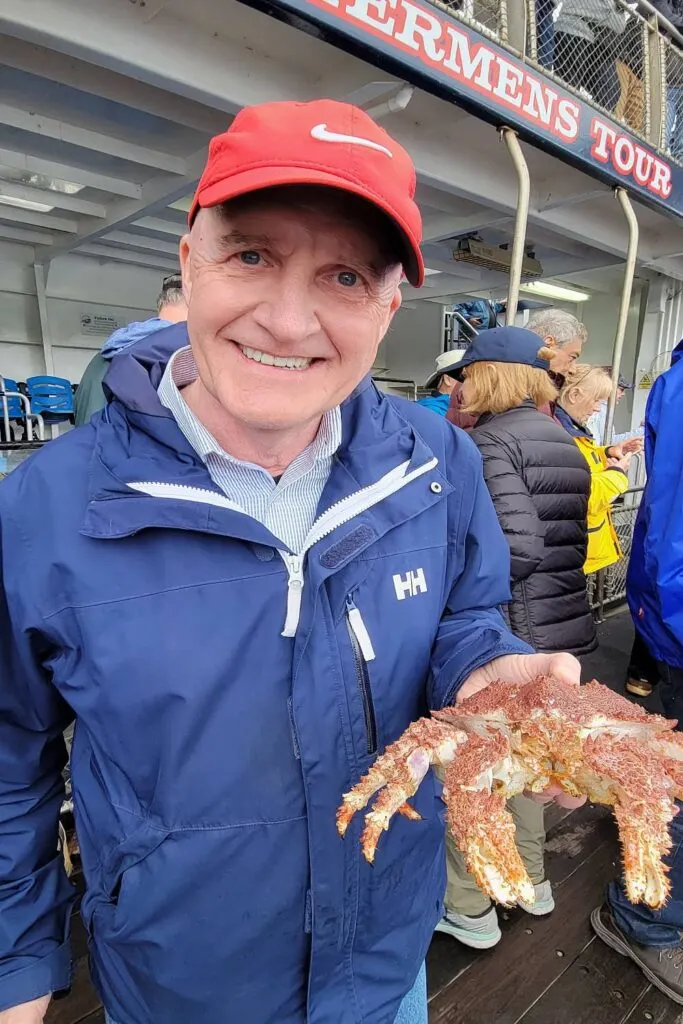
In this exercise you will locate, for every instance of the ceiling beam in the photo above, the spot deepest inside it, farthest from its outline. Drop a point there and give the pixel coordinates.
(69, 172)
(27, 235)
(109, 85)
(49, 197)
(442, 226)
(156, 195)
(166, 227)
(105, 252)
(141, 242)
(62, 131)
(16, 215)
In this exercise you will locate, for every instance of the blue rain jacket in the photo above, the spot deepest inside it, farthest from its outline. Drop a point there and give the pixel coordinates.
(655, 573)
(436, 402)
(211, 751)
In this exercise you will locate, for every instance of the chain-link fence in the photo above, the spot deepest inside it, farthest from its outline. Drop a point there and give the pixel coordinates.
(488, 16)
(600, 50)
(672, 116)
(608, 587)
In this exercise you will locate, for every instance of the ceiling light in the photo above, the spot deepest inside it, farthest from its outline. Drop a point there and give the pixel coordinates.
(428, 272)
(39, 181)
(25, 204)
(554, 291)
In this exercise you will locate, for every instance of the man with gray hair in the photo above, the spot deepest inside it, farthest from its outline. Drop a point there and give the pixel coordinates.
(561, 332)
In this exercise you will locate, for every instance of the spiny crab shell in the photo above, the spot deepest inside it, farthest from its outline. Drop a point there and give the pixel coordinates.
(511, 738)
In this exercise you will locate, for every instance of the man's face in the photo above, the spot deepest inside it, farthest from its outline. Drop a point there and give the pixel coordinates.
(564, 356)
(287, 306)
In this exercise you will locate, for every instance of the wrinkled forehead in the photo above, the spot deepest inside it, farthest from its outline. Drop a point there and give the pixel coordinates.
(333, 219)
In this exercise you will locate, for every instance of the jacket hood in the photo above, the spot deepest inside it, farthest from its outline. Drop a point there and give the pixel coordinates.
(677, 352)
(128, 335)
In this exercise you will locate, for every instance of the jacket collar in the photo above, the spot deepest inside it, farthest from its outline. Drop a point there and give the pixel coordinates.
(570, 424)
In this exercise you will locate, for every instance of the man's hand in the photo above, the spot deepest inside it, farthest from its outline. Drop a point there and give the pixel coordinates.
(28, 1013)
(523, 668)
(633, 446)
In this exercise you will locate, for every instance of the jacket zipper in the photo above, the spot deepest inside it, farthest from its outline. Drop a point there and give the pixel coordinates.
(335, 516)
(363, 652)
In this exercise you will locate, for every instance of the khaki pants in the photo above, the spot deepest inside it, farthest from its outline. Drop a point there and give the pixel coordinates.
(462, 893)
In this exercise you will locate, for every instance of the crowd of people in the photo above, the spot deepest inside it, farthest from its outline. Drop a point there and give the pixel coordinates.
(249, 570)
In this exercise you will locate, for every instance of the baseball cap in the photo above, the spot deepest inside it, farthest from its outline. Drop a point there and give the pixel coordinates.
(323, 142)
(445, 363)
(504, 345)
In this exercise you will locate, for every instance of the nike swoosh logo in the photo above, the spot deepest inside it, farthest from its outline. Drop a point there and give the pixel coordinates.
(320, 132)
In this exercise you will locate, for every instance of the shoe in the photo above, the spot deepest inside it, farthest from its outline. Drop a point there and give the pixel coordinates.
(481, 932)
(545, 904)
(638, 687)
(663, 967)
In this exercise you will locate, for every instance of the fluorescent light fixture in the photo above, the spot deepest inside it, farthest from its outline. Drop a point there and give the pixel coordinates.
(554, 291)
(25, 204)
(429, 272)
(39, 181)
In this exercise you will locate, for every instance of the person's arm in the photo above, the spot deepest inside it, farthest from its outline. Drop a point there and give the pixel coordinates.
(605, 487)
(35, 894)
(516, 512)
(472, 632)
(664, 496)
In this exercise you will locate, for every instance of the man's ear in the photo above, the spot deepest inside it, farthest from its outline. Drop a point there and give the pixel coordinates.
(185, 266)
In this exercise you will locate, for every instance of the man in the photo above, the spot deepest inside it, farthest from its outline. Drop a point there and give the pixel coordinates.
(171, 309)
(655, 596)
(243, 580)
(441, 383)
(561, 332)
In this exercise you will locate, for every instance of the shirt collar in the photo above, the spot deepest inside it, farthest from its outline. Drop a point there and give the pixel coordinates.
(181, 370)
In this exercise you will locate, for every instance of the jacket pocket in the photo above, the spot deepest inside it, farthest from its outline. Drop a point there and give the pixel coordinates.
(363, 652)
(135, 848)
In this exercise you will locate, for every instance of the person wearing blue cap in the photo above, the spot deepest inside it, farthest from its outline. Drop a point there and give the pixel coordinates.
(539, 483)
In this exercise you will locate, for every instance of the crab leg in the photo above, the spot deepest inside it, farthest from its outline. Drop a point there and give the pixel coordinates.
(398, 772)
(629, 775)
(481, 824)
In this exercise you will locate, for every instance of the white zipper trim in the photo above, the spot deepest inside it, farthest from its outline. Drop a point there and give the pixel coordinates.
(360, 632)
(339, 514)
(343, 512)
(181, 492)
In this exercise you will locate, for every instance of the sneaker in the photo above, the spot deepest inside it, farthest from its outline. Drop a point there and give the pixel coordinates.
(663, 967)
(481, 932)
(638, 687)
(544, 904)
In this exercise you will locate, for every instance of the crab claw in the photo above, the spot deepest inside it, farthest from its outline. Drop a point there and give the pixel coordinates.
(398, 772)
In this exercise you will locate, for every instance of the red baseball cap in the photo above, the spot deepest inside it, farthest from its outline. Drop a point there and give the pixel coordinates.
(319, 143)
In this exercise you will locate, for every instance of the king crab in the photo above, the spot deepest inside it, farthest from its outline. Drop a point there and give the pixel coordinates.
(511, 738)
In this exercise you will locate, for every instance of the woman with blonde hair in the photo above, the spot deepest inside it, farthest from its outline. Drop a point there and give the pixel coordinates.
(584, 391)
(539, 484)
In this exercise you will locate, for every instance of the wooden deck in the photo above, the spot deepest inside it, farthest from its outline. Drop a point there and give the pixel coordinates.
(546, 970)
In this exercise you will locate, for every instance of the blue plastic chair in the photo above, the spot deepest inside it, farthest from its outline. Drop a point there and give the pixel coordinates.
(52, 397)
(15, 408)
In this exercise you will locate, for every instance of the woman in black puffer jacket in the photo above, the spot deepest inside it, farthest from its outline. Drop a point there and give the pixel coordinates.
(538, 486)
(540, 493)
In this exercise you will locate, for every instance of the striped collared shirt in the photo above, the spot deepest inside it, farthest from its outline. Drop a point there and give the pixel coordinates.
(286, 508)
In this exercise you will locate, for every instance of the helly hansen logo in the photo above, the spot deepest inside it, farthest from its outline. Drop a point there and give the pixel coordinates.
(410, 584)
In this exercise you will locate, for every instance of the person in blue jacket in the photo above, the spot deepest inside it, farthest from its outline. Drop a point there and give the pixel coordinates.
(441, 383)
(244, 578)
(655, 595)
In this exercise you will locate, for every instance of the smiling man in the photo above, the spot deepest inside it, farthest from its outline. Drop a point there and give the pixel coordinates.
(242, 580)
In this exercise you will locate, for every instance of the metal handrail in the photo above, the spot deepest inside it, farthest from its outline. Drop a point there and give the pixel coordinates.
(521, 218)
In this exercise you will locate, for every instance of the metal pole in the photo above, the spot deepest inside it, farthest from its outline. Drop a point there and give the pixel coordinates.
(626, 289)
(521, 217)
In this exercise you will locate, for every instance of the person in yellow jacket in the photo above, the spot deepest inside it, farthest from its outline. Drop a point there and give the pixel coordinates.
(584, 391)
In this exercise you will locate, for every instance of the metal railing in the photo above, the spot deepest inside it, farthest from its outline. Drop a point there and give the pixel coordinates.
(624, 58)
(607, 588)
